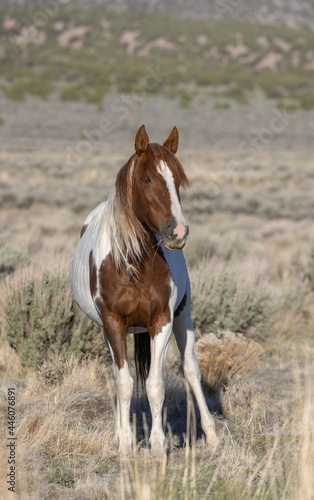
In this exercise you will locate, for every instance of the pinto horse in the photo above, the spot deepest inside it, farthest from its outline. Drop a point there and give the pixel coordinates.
(128, 274)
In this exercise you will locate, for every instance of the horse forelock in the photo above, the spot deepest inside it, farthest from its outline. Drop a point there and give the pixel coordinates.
(157, 153)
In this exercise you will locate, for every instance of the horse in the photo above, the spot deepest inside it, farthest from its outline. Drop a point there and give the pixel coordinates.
(128, 274)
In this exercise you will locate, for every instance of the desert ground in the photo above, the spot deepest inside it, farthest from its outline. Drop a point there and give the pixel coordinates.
(250, 256)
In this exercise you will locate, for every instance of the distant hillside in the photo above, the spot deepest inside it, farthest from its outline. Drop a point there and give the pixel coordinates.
(290, 13)
(84, 53)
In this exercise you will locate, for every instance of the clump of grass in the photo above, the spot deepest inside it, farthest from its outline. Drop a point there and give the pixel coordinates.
(60, 476)
(223, 356)
(42, 319)
(11, 257)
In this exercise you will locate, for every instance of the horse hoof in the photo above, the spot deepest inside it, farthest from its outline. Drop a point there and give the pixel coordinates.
(212, 441)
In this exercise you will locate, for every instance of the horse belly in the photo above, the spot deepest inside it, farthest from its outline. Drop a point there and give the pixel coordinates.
(80, 281)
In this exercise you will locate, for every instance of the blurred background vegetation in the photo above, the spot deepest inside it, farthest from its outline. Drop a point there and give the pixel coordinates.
(84, 53)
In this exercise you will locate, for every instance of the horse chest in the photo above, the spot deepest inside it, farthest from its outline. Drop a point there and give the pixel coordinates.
(138, 302)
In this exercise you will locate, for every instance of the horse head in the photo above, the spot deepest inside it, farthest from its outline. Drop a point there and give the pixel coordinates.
(157, 176)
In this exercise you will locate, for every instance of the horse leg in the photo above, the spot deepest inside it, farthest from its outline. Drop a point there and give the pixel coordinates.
(114, 374)
(185, 337)
(115, 337)
(155, 388)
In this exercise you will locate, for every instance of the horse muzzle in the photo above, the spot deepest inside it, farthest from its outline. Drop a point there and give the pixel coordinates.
(174, 236)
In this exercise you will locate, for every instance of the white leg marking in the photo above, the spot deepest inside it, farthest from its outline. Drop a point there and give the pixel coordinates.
(156, 388)
(124, 387)
(124, 390)
(184, 333)
(176, 209)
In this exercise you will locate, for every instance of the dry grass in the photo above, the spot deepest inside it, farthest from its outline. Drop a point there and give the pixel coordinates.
(56, 417)
(66, 449)
(222, 357)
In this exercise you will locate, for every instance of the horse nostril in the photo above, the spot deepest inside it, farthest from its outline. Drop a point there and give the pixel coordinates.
(187, 230)
(169, 231)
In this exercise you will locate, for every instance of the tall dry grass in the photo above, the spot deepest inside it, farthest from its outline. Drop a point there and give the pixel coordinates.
(66, 447)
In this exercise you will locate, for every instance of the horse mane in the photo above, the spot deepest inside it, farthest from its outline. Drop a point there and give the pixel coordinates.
(117, 221)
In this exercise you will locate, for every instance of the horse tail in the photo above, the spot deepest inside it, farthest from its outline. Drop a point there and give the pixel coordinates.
(141, 357)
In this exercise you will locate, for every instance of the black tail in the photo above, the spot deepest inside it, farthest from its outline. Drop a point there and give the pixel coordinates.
(141, 357)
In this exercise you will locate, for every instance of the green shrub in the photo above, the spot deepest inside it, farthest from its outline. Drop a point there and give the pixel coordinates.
(307, 99)
(15, 92)
(71, 93)
(224, 300)
(185, 99)
(222, 105)
(287, 107)
(42, 319)
(38, 87)
(11, 257)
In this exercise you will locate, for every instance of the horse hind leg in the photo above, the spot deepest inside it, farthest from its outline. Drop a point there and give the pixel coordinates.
(184, 333)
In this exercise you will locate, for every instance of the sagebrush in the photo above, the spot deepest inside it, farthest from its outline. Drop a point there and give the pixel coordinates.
(42, 319)
(227, 300)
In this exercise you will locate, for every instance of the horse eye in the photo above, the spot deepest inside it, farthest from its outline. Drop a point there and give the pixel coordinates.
(149, 178)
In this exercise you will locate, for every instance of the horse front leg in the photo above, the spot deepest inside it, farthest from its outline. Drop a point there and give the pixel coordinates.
(185, 337)
(155, 388)
(115, 337)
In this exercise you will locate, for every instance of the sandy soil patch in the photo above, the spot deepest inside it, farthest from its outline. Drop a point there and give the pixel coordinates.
(64, 39)
(159, 43)
(213, 53)
(9, 23)
(285, 46)
(202, 40)
(295, 58)
(129, 38)
(58, 25)
(262, 41)
(237, 50)
(249, 58)
(309, 60)
(30, 34)
(270, 61)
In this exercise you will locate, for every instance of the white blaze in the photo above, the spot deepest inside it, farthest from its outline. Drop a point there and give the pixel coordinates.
(176, 210)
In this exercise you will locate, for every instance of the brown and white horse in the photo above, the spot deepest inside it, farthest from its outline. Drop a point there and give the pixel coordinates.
(128, 274)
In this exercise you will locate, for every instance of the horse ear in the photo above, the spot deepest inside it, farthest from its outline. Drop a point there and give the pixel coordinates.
(141, 140)
(172, 142)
